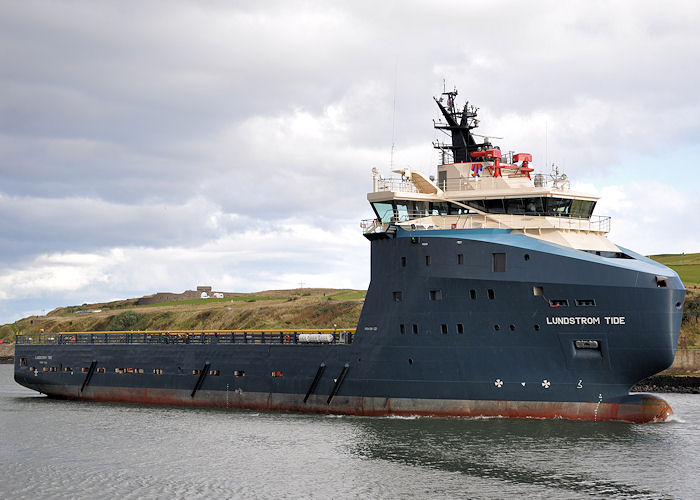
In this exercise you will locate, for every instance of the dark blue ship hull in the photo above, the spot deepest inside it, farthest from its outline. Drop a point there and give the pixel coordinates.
(455, 323)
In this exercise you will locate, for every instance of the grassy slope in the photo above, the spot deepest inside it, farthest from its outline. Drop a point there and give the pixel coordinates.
(686, 265)
(310, 308)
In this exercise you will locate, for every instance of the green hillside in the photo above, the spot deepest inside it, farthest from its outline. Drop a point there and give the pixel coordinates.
(307, 308)
(687, 265)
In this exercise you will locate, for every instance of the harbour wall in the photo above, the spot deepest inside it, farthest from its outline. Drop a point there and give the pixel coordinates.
(7, 353)
(687, 362)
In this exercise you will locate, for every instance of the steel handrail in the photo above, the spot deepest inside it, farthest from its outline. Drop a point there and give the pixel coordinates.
(282, 335)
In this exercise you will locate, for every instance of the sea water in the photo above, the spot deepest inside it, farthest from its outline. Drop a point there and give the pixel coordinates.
(60, 449)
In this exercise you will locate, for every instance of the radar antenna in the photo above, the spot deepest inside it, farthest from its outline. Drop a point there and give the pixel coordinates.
(459, 124)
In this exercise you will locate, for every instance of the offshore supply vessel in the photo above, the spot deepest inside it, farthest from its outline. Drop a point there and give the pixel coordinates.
(494, 292)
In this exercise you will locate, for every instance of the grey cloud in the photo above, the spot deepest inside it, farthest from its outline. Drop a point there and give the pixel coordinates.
(80, 224)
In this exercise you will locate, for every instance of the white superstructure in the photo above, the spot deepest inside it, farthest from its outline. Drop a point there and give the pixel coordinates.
(487, 192)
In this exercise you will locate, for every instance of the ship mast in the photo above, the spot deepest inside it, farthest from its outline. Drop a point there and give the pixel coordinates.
(459, 124)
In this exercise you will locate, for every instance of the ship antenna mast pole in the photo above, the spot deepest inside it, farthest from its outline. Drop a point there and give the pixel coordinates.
(546, 149)
(393, 118)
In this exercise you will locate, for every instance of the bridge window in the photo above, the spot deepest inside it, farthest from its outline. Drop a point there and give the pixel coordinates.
(535, 206)
(435, 294)
(558, 206)
(440, 208)
(402, 211)
(582, 208)
(495, 206)
(397, 296)
(384, 211)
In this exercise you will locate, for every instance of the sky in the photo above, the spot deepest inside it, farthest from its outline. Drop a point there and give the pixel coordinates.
(160, 145)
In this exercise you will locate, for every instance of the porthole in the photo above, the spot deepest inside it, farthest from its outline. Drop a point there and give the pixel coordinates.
(410, 361)
(526, 256)
(512, 328)
(496, 327)
(537, 328)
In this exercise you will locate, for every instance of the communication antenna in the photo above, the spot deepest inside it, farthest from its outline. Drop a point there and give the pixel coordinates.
(486, 136)
(546, 151)
(393, 117)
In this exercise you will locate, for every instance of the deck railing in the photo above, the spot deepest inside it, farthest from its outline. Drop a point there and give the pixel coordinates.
(595, 223)
(289, 336)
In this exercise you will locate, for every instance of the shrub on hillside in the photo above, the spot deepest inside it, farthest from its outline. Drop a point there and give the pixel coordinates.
(691, 309)
(124, 321)
(7, 333)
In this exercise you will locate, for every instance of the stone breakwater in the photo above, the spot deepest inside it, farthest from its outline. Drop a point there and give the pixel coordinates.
(7, 353)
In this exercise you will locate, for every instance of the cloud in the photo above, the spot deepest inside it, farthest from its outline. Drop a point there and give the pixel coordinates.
(280, 256)
(651, 217)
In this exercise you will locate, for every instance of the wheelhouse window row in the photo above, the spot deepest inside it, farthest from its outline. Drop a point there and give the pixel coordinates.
(405, 210)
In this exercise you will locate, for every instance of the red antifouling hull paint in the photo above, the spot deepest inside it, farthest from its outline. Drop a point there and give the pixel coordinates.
(648, 408)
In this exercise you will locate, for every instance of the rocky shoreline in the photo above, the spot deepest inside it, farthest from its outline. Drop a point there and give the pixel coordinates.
(682, 384)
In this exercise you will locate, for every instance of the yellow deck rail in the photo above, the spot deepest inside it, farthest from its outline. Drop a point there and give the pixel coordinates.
(256, 336)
